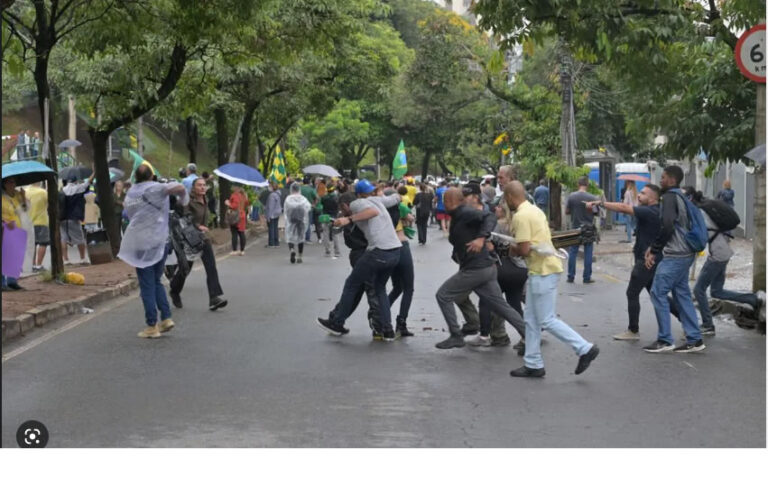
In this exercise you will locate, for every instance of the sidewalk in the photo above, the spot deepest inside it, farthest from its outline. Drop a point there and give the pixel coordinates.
(42, 302)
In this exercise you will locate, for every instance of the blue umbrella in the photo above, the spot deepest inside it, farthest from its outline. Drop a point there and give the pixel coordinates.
(28, 172)
(241, 173)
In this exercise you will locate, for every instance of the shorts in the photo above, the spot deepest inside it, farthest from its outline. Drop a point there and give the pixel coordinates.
(72, 232)
(442, 216)
(42, 235)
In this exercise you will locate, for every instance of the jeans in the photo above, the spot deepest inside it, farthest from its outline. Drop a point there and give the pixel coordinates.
(375, 266)
(402, 281)
(329, 237)
(630, 223)
(540, 314)
(640, 278)
(512, 280)
(713, 275)
(672, 275)
(237, 236)
(211, 274)
(308, 234)
(272, 232)
(9, 280)
(370, 293)
(421, 225)
(573, 251)
(153, 293)
(483, 282)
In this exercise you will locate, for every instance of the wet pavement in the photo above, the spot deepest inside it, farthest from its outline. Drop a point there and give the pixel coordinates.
(261, 373)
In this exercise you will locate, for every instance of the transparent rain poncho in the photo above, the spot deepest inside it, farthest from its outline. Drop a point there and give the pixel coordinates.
(147, 207)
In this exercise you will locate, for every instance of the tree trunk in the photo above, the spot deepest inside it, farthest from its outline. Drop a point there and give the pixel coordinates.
(262, 155)
(425, 165)
(99, 140)
(43, 94)
(245, 133)
(348, 162)
(758, 244)
(191, 139)
(443, 165)
(555, 209)
(221, 151)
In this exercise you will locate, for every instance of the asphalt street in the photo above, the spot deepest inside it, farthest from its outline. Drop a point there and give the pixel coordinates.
(261, 373)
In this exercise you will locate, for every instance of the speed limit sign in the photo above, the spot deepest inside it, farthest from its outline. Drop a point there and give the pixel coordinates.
(750, 53)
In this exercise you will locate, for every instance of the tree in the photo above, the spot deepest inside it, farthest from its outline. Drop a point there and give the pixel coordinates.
(120, 73)
(33, 30)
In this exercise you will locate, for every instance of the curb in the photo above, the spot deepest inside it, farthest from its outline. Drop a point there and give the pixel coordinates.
(39, 316)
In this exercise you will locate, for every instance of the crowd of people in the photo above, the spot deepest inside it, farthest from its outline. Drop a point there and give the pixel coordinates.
(500, 237)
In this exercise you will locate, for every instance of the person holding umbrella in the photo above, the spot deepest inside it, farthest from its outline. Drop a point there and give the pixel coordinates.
(72, 215)
(13, 203)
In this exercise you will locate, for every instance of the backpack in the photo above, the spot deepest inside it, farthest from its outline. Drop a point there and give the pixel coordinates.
(696, 235)
(722, 214)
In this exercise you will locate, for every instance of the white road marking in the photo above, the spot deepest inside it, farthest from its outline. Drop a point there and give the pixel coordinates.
(82, 320)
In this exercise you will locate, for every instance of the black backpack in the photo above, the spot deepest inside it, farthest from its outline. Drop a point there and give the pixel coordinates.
(722, 214)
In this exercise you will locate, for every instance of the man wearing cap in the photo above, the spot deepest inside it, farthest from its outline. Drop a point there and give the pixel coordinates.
(370, 214)
(189, 180)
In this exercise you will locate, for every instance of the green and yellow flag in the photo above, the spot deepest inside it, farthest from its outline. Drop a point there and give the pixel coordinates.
(503, 140)
(278, 168)
(400, 163)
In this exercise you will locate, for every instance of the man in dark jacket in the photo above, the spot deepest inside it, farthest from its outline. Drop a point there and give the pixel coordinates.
(469, 232)
(672, 271)
(197, 211)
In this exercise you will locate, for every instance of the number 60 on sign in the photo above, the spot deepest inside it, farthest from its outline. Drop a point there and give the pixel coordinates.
(750, 53)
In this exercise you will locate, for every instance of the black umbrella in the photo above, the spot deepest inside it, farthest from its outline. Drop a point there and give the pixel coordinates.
(75, 173)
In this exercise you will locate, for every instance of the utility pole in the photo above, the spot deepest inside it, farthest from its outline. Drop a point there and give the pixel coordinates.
(378, 164)
(758, 244)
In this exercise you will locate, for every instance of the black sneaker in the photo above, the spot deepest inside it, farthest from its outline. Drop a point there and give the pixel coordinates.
(15, 286)
(451, 342)
(708, 331)
(216, 303)
(388, 335)
(659, 347)
(586, 359)
(527, 372)
(589, 281)
(500, 340)
(377, 336)
(332, 327)
(569, 280)
(402, 329)
(176, 299)
(690, 347)
(293, 257)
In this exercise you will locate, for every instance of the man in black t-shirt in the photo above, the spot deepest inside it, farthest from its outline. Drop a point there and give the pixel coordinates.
(648, 218)
(423, 203)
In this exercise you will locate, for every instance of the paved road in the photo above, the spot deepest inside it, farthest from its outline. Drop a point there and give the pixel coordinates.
(262, 374)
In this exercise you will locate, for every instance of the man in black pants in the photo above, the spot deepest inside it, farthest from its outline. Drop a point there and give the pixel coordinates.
(382, 255)
(469, 232)
(648, 218)
(355, 240)
(423, 203)
(198, 212)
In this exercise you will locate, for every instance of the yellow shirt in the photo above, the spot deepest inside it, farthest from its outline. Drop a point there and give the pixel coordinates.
(11, 205)
(37, 198)
(529, 224)
(411, 194)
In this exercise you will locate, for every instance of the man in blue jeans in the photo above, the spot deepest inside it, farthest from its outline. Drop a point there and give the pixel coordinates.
(145, 244)
(712, 276)
(582, 217)
(672, 271)
(370, 214)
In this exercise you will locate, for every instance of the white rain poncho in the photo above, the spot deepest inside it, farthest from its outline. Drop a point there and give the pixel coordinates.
(147, 206)
(295, 231)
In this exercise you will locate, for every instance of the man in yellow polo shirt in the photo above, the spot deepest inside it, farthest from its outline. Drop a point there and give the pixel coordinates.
(37, 197)
(531, 231)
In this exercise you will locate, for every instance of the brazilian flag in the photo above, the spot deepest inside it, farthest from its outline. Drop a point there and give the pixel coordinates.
(400, 163)
(278, 168)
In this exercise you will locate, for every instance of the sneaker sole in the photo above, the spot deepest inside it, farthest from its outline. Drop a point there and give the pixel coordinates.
(622, 338)
(660, 350)
(695, 349)
(216, 307)
(329, 330)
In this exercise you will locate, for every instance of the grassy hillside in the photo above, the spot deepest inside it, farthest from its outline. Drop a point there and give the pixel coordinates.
(166, 156)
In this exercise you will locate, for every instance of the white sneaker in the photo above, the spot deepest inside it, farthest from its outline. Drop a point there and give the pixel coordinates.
(479, 340)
